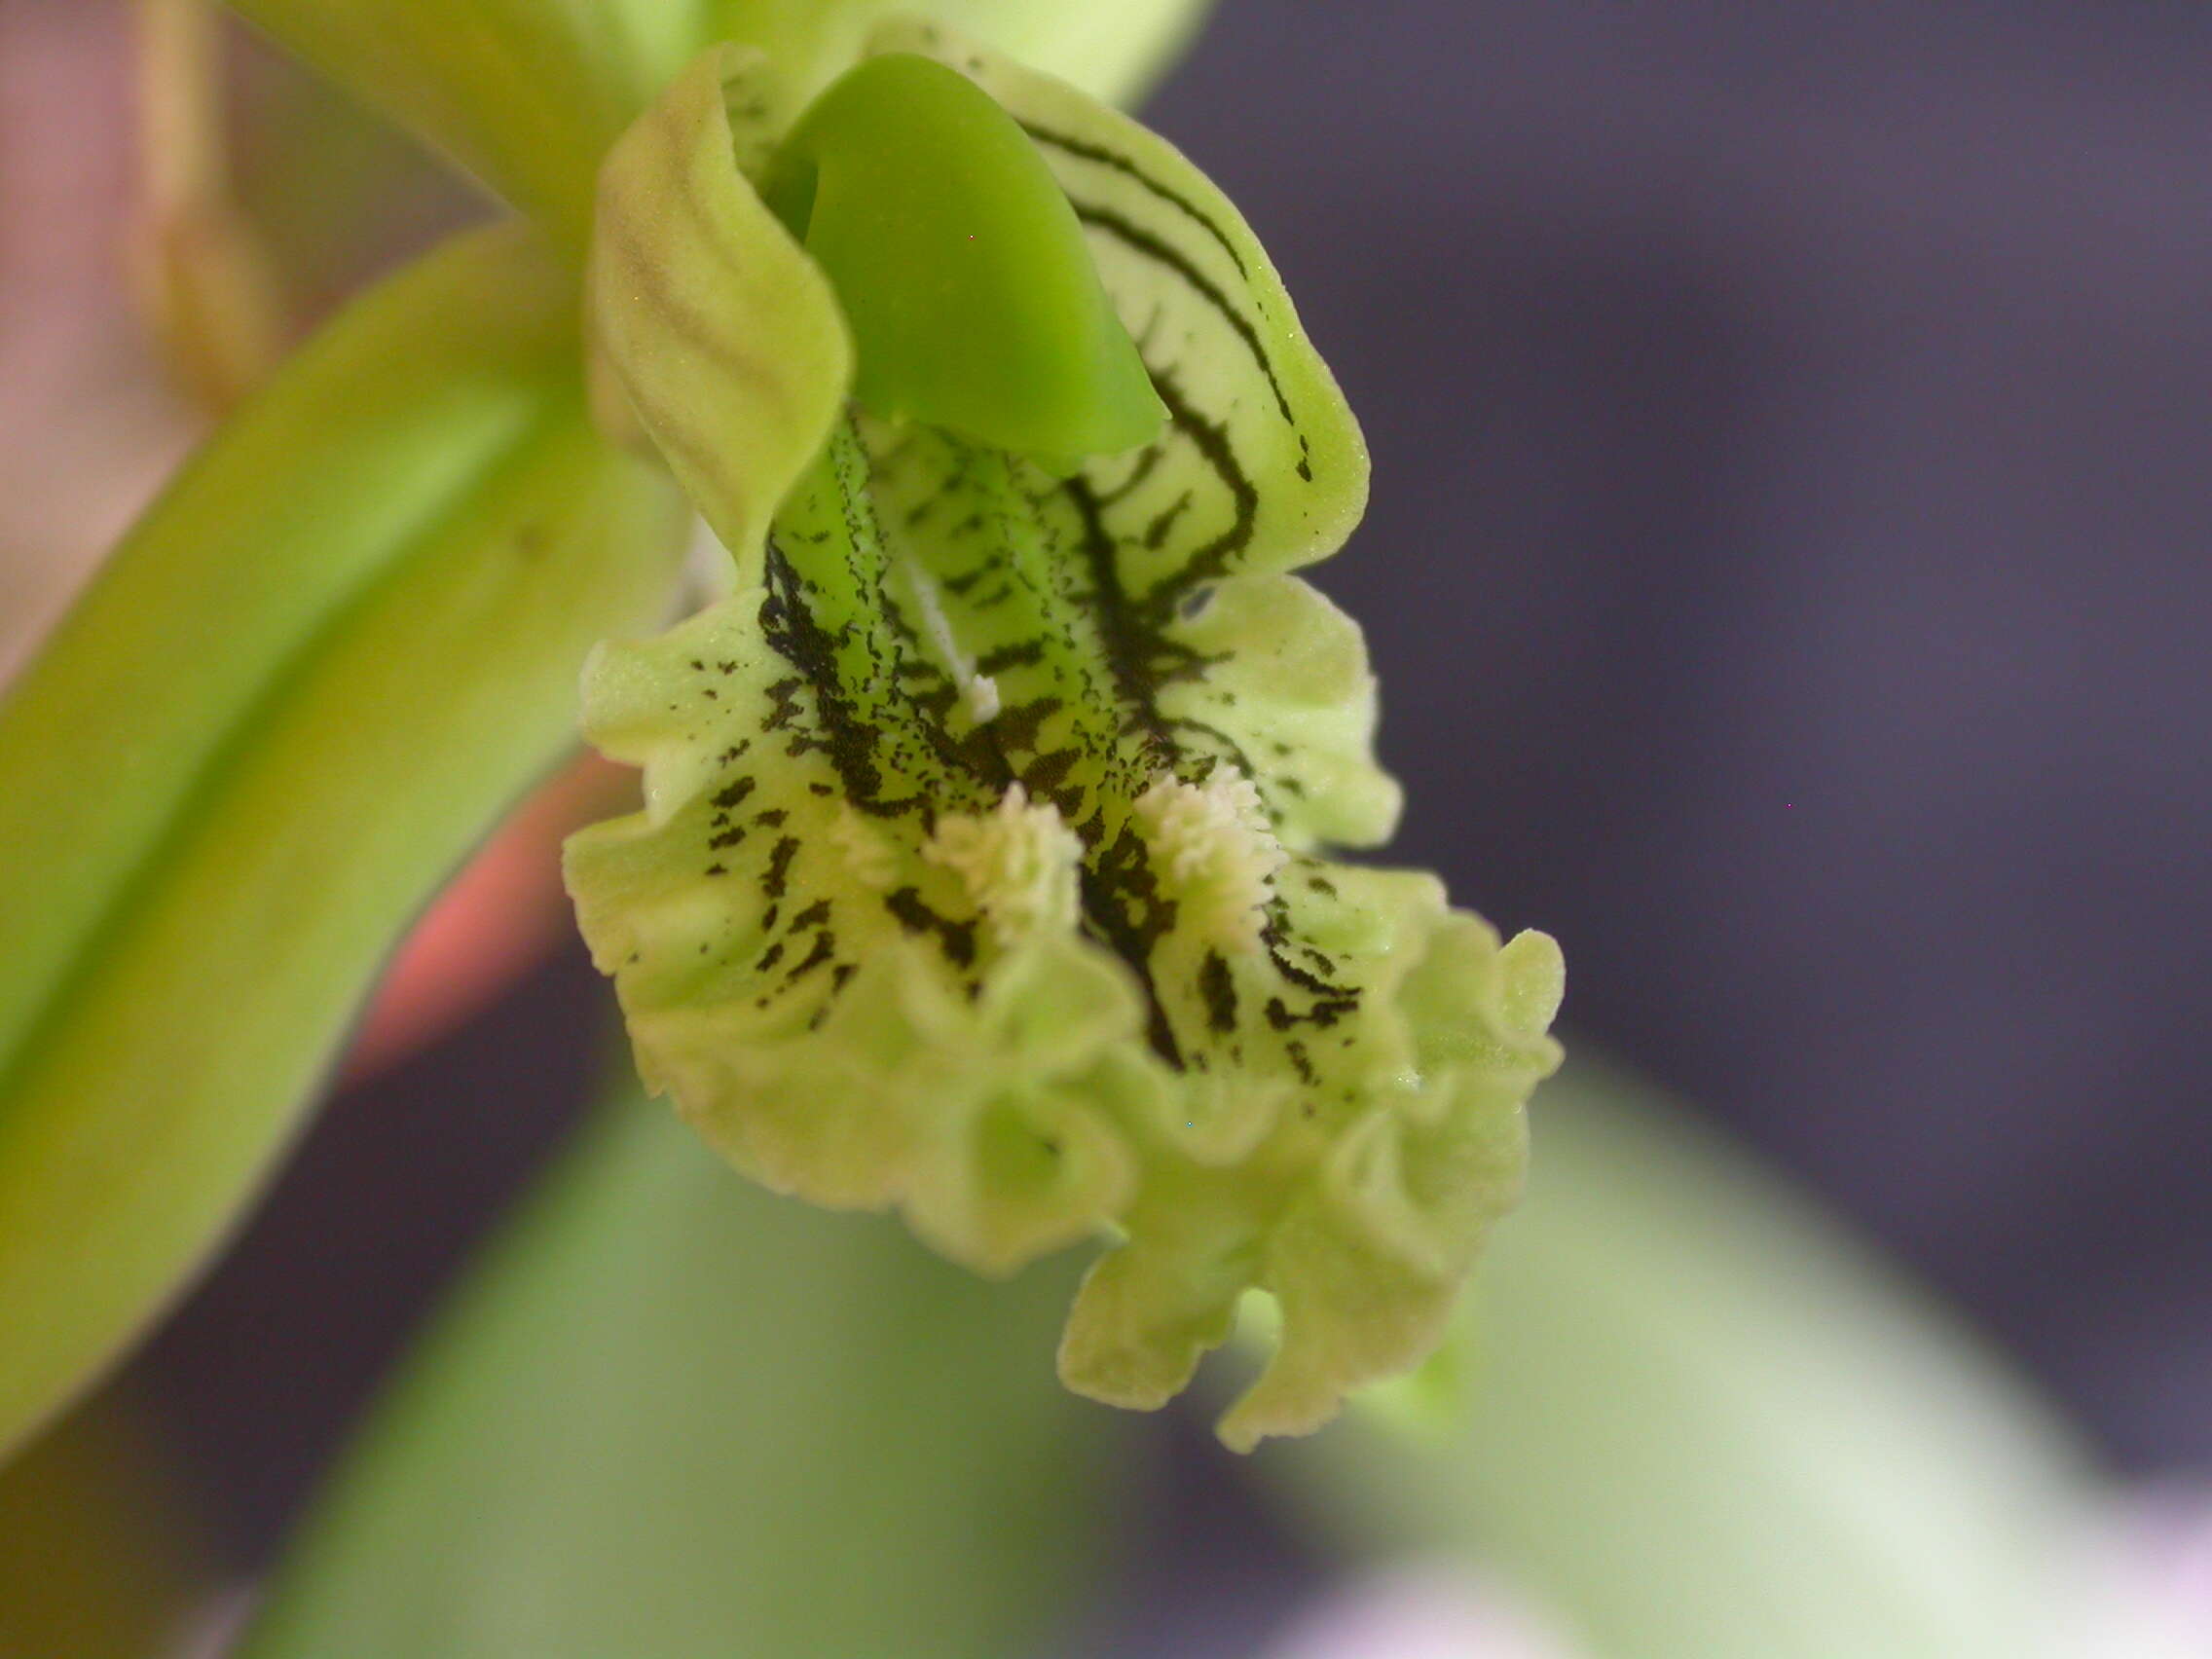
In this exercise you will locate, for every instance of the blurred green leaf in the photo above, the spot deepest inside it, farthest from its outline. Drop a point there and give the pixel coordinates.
(99, 1558)
(674, 1418)
(306, 684)
(1702, 1423)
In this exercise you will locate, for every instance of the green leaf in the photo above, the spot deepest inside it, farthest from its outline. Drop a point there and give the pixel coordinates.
(528, 94)
(982, 868)
(307, 682)
(1700, 1422)
(673, 1418)
(103, 1561)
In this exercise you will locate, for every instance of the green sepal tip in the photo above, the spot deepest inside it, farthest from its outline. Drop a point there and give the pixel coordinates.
(963, 271)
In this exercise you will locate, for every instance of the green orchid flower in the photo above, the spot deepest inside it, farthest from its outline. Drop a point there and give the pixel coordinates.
(328, 660)
(984, 870)
(984, 875)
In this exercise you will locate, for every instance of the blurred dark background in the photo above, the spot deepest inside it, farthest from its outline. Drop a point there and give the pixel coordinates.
(1787, 572)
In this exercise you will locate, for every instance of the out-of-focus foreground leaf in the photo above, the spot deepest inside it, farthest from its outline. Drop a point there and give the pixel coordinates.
(96, 1558)
(674, 1418)
(528, 94)
(1702, 1423)
(306, 684)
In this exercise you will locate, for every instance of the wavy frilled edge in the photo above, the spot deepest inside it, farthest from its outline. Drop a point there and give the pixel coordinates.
(982, 872)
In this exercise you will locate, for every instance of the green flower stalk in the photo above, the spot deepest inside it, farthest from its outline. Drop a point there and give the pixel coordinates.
(335, 652)
(983, 869)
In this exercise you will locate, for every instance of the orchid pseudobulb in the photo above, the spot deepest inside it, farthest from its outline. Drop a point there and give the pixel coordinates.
(984, 870)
